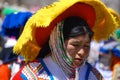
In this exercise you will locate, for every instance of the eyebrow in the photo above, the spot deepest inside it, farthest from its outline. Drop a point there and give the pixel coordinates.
(77, 41)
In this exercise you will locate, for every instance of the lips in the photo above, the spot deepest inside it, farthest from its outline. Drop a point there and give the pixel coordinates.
(79, 59)
(77, 62)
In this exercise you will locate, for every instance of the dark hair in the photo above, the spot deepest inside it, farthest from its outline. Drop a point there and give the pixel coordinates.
(72, 27)
(2, 41)
(45, 50)
(75, 26)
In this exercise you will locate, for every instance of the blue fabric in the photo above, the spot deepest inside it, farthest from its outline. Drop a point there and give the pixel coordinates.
(109, 40)
(88, 71)
(10, 57)
(116, 50)
(13, 22)
(48, 72)
(23, 77)
(108, 45)
(104, 51)
(111, 45)
(5, 53)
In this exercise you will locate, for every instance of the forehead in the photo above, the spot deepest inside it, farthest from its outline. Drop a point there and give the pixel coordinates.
(81, 38)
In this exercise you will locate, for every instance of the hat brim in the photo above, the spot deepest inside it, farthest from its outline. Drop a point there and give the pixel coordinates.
(82, 10)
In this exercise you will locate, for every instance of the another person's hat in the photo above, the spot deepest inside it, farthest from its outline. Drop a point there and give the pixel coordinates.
(8, 10)
(116, 50)
(117, 32)
(13, 23)
(116, 35)
(39, 26)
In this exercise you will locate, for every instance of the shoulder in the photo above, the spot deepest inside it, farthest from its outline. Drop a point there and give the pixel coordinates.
(95, 72)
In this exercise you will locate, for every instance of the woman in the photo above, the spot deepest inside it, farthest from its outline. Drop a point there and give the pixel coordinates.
(61, 34)
(75, 42)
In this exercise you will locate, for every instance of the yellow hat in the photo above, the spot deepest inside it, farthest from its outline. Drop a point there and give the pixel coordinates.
(115, 14)
(40, 25)
(117, 19)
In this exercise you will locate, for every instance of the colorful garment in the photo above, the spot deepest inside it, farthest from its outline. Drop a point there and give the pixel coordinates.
(116, 72)
(5, 72)
(106, 73)
(47, 69)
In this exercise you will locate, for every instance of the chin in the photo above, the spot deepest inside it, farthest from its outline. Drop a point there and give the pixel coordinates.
(78, 64)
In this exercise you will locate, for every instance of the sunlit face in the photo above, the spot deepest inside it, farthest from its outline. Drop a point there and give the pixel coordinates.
(78, 48)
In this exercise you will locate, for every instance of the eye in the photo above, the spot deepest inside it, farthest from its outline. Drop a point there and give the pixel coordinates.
(86, 46)
(75, 45)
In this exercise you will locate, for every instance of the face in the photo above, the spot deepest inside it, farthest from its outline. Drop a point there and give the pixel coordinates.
(78, 49)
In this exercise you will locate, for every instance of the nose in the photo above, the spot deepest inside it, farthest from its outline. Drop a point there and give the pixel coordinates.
(81, 51)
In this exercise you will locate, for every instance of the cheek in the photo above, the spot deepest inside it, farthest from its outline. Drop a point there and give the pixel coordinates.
(71, 50)
(83, 53)
(86, 52)
(86, 56)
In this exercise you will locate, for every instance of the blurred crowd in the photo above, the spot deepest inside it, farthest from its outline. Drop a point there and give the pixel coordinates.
(11, 25)
(104, 55)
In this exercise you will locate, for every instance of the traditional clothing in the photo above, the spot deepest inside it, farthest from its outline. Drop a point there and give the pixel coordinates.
(47, 69)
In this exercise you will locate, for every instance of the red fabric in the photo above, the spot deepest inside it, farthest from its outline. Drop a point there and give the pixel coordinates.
(82, 10)
(17, 75)
(5, 72)
(114, 60)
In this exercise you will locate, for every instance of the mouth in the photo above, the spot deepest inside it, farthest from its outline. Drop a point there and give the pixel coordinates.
(78, 62)
(78, 59)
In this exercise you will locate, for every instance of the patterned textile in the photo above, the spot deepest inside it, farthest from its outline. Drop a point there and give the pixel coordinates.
(37, 71)
(59, 51)
(33, 71)
(97, 74)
